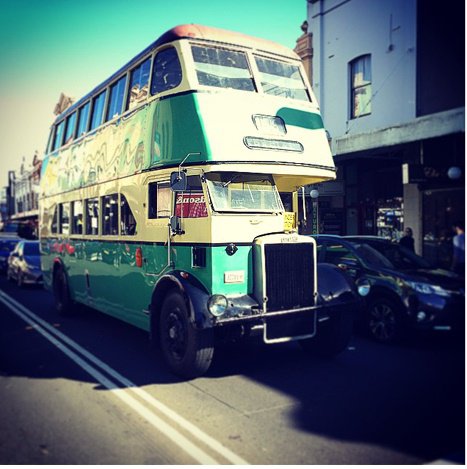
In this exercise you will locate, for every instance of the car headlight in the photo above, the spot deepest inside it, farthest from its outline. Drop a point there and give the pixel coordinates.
(217, 305)
(428, 289)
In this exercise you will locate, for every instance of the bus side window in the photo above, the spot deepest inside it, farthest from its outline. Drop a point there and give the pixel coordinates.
(139, 79)
(110, 215)
(57, 143)
(83, 117)
(77, 217)
(159, 200)
(117, 91)
(167, 72)
(127, 219)
(64, 218)
(97, 112)
(92, 216)
(70, 128)
(54, 226)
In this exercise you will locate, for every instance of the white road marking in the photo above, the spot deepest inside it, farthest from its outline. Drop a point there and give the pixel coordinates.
(59, 339)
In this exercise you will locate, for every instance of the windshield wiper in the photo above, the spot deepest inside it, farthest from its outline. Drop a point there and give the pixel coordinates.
(225, 184)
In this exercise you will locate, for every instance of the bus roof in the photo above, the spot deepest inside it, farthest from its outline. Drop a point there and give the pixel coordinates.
(190, 31)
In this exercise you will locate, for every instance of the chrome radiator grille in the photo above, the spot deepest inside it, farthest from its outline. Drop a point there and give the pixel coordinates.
(289, 276)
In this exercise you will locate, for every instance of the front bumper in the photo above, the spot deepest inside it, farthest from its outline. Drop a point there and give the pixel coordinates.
(279, 326)
(437, 313)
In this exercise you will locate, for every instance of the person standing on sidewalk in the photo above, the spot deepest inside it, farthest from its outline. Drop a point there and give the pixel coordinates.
(407, 240)
(458, 253)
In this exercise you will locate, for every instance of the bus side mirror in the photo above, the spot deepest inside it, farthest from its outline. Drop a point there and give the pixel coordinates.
(178, 181)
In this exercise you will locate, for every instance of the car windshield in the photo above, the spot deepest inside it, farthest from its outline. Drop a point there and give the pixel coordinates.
(243, 192)
(371, 256)
(401, 257)
(31, 249)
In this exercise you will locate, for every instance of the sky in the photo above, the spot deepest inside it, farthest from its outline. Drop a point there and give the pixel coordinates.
(53, 46)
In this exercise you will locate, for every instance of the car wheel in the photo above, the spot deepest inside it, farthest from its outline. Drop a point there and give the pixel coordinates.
(384, 320)
(187, 351)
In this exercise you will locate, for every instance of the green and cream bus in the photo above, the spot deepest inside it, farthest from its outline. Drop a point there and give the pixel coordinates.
(160, 199)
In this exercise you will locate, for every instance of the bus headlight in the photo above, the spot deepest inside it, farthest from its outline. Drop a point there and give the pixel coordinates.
(217, 305)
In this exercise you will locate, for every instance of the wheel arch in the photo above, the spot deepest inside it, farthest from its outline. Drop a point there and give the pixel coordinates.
(193, 293)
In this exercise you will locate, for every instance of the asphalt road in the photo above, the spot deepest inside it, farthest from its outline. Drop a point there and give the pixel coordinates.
(88, 390)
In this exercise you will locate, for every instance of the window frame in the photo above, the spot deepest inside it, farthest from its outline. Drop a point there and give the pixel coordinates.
(149, 58)
(365, 61)
(94, 125)
(113, 87)
(153, 195)
(152, 91)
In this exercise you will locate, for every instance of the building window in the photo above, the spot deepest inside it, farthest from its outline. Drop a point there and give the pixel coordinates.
(360, 84)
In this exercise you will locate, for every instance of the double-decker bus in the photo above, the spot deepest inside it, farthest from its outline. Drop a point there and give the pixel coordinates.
(160, 199)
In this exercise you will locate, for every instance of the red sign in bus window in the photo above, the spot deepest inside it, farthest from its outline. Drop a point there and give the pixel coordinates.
(191, 205)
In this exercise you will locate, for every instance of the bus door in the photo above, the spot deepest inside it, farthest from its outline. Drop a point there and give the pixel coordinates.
(155, 249)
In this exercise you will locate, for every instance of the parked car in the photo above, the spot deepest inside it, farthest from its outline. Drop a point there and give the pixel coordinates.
(8, 242)
(24, 263)
(404, 291)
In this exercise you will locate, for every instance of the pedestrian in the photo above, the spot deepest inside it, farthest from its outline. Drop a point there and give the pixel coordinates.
(407, 240)
(458, 251)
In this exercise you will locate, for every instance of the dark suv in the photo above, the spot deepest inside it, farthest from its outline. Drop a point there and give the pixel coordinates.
(404, 292)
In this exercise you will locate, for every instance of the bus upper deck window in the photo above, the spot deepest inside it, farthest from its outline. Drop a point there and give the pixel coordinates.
(167, 71)
(222, 68)
(57, 142)
(83, 117)
(117, 91)
(139, 79)
(281, 79)
(97, 110)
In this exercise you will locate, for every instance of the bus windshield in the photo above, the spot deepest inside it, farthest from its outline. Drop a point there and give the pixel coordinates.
(242, 192)
(222, 68)
(281, 79)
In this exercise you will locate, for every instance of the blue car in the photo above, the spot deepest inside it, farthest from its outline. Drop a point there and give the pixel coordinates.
(24, 263)
(8, 242)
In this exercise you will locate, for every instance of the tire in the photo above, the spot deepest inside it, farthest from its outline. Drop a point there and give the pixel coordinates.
(383, 320)
(64, 305)
(332, 336)
(187, 351)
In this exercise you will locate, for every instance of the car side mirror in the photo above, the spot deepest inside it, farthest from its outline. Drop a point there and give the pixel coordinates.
(351, 266)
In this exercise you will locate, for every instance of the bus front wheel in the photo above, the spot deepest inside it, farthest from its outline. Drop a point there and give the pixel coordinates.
(187, 351)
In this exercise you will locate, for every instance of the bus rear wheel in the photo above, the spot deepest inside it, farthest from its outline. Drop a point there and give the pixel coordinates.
(187, 351)
(63, 302)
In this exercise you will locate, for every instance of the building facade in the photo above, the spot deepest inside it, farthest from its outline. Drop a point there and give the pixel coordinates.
(389, 76)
